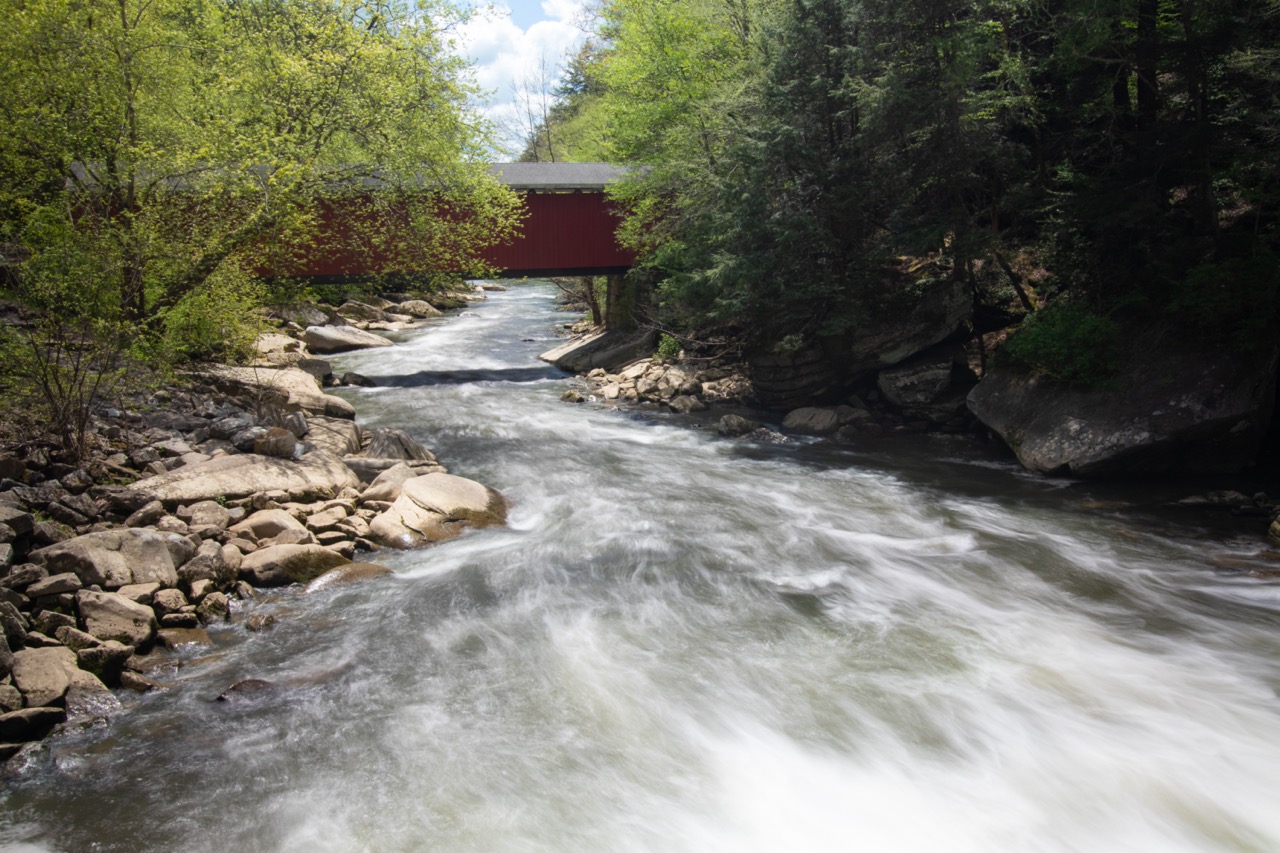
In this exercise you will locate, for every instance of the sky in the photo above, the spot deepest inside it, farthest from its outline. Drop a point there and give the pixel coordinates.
(511, 42)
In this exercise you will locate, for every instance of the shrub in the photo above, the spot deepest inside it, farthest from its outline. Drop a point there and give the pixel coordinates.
(219, 320)
(1066, 342)
(668, 348)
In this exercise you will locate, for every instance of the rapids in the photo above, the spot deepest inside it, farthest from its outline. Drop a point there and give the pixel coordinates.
(688, 643)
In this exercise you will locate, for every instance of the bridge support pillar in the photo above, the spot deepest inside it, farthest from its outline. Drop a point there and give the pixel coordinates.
(619, 304)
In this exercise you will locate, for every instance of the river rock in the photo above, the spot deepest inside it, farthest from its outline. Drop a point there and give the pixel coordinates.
(812, 421)
(148, 515)
(369, 469)
(239, 476)
(18, 520)
(288, 388)
(334, 435)
(434, 508)
(54, 585)
(43, 675)
(266, 524)
(108, 616)
(386, 486)
(6, 657)
(116, 558)
(332, 339)
(29, 724)
(87, 698)
(361, 312)
(390, 443)
(105, 660)
(348, 574)
(280, 565)
(278, 442)
(1168, 412)
(419, 308)
(205, 515)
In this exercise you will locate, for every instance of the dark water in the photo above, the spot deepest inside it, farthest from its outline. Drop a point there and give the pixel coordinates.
(684, 643)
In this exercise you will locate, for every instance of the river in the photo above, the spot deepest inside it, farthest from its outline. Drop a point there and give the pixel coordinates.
(688, 643)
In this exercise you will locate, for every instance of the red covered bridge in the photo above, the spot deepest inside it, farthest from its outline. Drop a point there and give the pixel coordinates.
(569, 229)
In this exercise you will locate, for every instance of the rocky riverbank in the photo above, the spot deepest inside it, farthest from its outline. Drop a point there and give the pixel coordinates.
(936, 390)
(245, 477)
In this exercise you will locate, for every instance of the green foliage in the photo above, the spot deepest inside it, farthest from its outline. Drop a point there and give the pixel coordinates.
(219, 320)
(1236, 301)
(668, 348)
(1067, 342)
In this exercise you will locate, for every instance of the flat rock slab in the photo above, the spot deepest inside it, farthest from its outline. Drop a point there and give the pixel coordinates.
(29, 724)
(294, 388)
(116, 558)
(607, 350)
(239, 476)
(280, 565)
(437, 507)
(330, 339)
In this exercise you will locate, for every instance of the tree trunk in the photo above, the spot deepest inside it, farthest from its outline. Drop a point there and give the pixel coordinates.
(620, 304)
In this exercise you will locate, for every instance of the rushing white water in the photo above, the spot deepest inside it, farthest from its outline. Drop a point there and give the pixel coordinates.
(686, 643)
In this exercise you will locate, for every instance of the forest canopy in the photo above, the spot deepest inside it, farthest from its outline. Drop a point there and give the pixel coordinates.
(1117, 158)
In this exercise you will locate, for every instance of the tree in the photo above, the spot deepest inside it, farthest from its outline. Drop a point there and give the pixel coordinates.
(184, 135)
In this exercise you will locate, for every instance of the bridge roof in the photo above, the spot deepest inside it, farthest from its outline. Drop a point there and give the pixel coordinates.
(553, 177)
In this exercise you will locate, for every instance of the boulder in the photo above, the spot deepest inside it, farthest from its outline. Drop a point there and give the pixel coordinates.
(105, 660)
(1178, 411)
(390, 443)
(386, 486)
(108, 616)
(43, 675)
(280, 565)
(685, 403)
(334, 435)
(418, 308)
(20, 521)
(301, 315)
(605, 349)
(361, 312)
(290, 388)
(266, 524)
(215, 607)
(331, 339)
(919, 380)
(29, 724)
(241, 475)
(348, 574)
(205, 515)
(812, 421)
(148, 515)
(87, 698)
(116, 558)
(209, 564)
(369, 469)
(54, 585)
(278, 442)
(434, 508)
(6, 657)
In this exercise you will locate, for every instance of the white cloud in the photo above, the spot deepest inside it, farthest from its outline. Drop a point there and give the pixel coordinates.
(510, 61)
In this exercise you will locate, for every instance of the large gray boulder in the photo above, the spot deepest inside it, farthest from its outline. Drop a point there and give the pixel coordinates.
(386, 485)
(116, 558)
(436, 507)
(918, 381)
(280, 565)
(1168, 412)
(331, 339)
(607, 350)
(108, 616)
(316, 474)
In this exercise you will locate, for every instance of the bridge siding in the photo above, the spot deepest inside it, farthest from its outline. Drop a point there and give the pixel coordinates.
(564, 234)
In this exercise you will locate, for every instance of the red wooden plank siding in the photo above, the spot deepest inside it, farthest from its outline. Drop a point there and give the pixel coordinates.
(564, 233)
